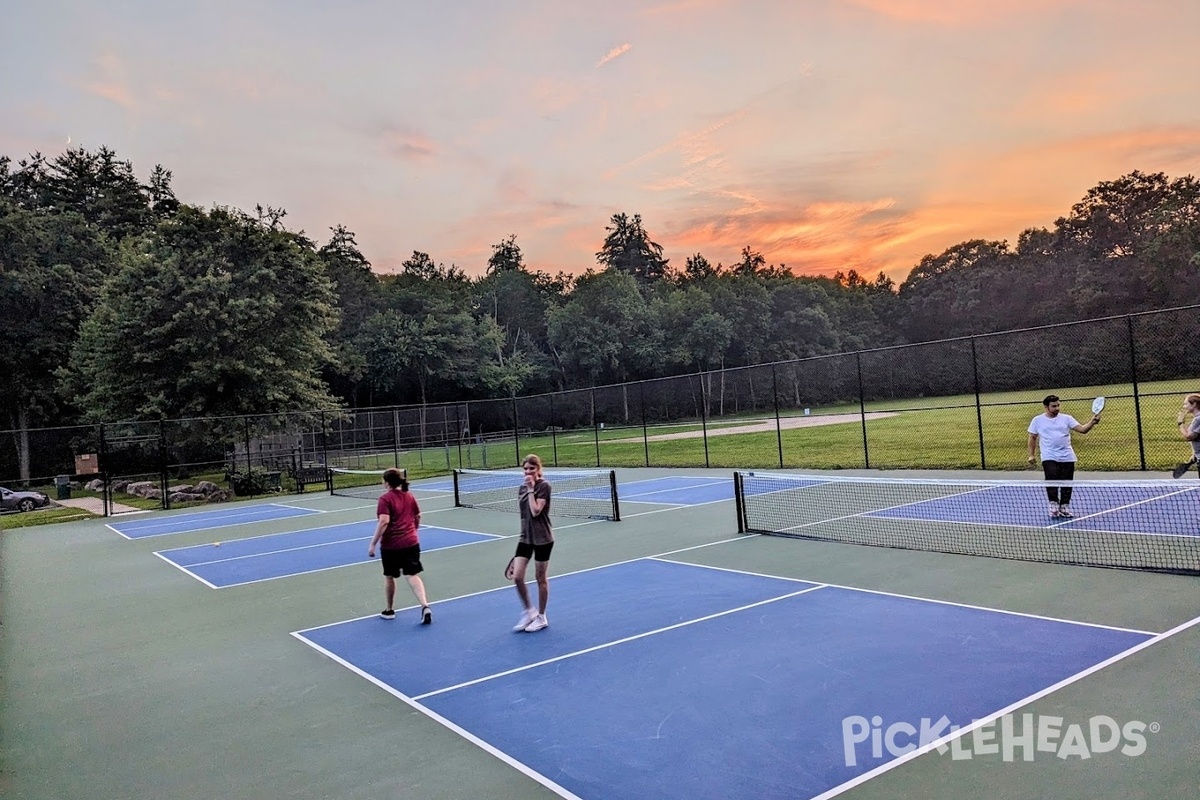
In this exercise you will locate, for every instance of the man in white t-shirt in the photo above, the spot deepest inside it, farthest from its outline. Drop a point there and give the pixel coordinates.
(1051, 433)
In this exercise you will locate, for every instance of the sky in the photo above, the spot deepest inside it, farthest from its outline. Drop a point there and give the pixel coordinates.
(826, 134)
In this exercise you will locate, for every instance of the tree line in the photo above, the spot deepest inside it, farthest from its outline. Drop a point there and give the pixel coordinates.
(121, 302)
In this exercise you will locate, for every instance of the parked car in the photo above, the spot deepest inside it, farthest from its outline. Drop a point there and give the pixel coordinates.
(21, 501)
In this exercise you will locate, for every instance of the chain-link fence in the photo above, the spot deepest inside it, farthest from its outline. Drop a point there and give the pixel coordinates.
(953, 404)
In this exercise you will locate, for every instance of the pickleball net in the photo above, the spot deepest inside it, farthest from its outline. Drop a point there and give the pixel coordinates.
(576, 493)
(1147, 525)
(364, 483)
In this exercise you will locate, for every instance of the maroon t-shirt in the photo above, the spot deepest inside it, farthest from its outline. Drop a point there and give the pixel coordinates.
(402, 510)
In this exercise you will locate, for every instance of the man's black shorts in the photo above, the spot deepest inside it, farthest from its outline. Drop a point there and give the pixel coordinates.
(406, 560)
(539, 552)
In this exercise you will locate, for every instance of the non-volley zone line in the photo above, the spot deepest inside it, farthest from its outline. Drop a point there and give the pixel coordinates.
(717, 667)
(205, 520)
(223, 564)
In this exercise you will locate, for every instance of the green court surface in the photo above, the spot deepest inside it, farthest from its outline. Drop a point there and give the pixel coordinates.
(122, 676)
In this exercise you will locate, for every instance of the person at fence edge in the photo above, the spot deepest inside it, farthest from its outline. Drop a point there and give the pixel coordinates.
(1050, 433)
(537, 540)
(399, 545)
(1190, 431)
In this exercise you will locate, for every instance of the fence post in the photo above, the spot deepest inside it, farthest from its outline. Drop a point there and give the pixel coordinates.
(553, 432)
(778, 424)
(1137, 400)
(704, 418)
(862, 409)
(249, 464)
(595, 427)
(459, 432)
(645, 433)
(104, 473)
(978, 408)
(516, 430)
(162, 464)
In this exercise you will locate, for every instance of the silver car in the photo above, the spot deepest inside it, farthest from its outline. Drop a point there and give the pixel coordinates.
(21, 501)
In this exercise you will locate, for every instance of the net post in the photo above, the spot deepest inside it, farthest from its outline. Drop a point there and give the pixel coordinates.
(616, 503)
(457, 502)
(740, 507)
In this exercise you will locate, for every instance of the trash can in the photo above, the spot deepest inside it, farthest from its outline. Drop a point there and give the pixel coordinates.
(63, 483)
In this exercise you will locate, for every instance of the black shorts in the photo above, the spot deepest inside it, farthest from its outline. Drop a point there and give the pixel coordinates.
(406, 560)
(540, 552)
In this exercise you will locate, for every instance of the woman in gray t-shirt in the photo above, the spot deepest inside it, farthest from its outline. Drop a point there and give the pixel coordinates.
(1189, 430)
(536, 542)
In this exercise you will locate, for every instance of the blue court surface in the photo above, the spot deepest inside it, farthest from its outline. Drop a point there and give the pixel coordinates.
(677, 491)
(279, 555)
(1171, 509)
(204, 520)
(669, 680)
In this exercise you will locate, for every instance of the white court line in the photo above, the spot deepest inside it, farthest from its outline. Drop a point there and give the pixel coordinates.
(366, 538)
(308, 571)
(508, 584)
(519, 766)
(914, 597)
(214, 515)
(187, 571)
(979, 723)
(616, 642)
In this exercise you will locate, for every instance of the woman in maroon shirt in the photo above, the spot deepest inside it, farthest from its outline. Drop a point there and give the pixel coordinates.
(400, 549)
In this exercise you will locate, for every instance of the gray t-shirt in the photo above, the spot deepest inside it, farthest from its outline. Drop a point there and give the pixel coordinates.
(1195, 428)
(535, 529)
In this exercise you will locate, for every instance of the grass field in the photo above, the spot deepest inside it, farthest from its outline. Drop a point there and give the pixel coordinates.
(919, 433)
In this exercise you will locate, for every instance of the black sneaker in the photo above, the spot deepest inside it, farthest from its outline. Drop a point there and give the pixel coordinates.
(387, 613)
(426, 615)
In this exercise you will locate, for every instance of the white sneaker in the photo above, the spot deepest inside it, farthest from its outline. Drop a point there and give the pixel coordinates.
(1053, 509)
(527, 616)
(539, 622)
(1064, 511)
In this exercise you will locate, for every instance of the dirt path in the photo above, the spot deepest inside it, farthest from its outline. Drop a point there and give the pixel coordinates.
(764, 426)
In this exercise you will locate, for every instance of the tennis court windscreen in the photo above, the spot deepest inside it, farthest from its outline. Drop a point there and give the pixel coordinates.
(580, 493)
(366, 483)
(1150, 525)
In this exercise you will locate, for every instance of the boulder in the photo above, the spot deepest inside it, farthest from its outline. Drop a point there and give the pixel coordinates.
(142, 488)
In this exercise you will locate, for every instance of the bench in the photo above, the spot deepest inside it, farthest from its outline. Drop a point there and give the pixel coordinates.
(312, 474)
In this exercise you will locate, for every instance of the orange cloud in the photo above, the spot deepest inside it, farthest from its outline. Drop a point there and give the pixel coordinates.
(956, 13)
(408, 145)
(110, 82)
(616, 52)
(682, 7)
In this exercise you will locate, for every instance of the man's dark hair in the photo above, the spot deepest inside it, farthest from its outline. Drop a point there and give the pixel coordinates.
(1050, 398)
